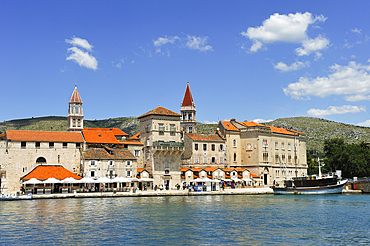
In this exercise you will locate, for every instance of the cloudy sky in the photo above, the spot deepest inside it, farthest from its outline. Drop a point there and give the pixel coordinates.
(249, 60)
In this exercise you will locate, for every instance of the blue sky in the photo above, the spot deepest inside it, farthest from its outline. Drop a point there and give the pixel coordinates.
(248, 60)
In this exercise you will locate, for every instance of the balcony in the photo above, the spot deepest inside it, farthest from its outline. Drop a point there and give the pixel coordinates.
(168, 146)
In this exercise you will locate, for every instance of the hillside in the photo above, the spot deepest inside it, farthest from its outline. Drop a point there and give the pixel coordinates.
(316, 129)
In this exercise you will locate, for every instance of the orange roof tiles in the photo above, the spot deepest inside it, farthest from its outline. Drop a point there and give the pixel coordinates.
(253, 175)
(131, 142)
(98, 136)
(115, 131)
(160, 111)
(43, 172)
(136, 136)
(214, 137)
(280, 130)
(75, 98)
(252, 123)
(140, 170)
(210, 169)
(188, 99)
(108, 154)
(44, 136)
(229, 127)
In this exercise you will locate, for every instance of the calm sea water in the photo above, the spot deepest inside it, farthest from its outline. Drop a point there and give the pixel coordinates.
(196, 220)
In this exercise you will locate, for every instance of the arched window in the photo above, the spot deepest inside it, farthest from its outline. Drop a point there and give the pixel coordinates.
(234, 156)
(234, 143)
(41, 160)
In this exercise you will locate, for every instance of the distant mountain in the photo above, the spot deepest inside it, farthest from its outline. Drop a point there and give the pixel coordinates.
(316, 129)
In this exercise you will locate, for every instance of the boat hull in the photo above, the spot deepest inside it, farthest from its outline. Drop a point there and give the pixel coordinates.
(14, 198)
(316, 190)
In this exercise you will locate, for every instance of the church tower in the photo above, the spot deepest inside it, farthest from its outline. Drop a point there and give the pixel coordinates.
(75, 112)
(188, 123)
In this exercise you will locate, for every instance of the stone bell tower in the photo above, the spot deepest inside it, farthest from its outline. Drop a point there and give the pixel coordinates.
(188, 121)
(75, 112)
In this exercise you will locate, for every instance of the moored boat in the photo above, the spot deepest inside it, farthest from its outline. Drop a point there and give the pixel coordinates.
(331, 183)
(13, 198)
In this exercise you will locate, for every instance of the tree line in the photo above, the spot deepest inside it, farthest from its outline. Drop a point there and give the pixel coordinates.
(352, 158)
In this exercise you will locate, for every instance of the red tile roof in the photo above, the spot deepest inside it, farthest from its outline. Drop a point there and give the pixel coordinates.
(253, 175)
(188, 99)
(280, 130)
(251, 124)
(108, 154)
(160, 111)
(75, 98)
(213, 137)
(229, 127)
(99, 136)
(210, 169)
(44, 136)
(43, 172)
(136, 136)
(115, 131)
(130, 142)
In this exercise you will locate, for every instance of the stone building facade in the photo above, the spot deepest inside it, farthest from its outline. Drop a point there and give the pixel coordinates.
(270, 152)
(22, 151)
(204, 151)
(160, 134)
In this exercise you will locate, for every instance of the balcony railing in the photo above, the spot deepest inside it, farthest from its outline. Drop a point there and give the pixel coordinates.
(174, 144)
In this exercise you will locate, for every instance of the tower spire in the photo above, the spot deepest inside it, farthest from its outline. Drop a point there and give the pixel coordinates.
(75, 112)
(188, 111)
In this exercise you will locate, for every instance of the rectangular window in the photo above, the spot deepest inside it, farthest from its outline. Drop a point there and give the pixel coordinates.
(234, 143)
(204, 159)
(196, 159)
(276, 145)
(37, 145)
(128, 173)
(23, 145)
(277, 158)
(92, 163)
(129, 163)
(147, 155)
(221, 160)
(213, 160)
(204, 147)
(161, 129)
(137, 153)
(51, 145)
(282, 146)
(78, 145)
(65, 145)
(213, 147)
(265, 157)
(196, 146)
(92, 174)
(190, 129)
(111, 174)
(221, 147)
(289, 159)
(289, 147)
(110, 163)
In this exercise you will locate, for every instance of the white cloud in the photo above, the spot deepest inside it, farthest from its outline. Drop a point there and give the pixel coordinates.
(289, 28)
(161, 41)
(312, 45)
(356, 98)
(358, 31)
(83, 58)
(80, 42)
(365, 123)
(294, 66)
(336, 110)
(261, 121)
(198, 43)
(350, 80)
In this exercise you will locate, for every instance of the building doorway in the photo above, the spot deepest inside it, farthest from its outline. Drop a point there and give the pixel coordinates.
(265, 179)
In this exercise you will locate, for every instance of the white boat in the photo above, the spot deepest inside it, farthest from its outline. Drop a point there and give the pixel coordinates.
(13, 198)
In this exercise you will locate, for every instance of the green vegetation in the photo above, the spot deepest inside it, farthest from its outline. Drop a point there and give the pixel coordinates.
(351, 158)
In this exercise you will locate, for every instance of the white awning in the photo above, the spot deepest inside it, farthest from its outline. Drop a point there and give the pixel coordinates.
(52, 181)
(33, 181)
(146, 180)
(206, 180)
(121, 180)
(87, 180)
(70, 180)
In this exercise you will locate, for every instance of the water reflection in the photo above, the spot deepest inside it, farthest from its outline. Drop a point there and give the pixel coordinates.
(194, 220)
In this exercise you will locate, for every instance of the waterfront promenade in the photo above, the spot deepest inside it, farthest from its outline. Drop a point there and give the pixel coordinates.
(138, 193)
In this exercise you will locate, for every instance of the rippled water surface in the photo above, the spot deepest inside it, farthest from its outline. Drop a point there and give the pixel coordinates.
(195, 220)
